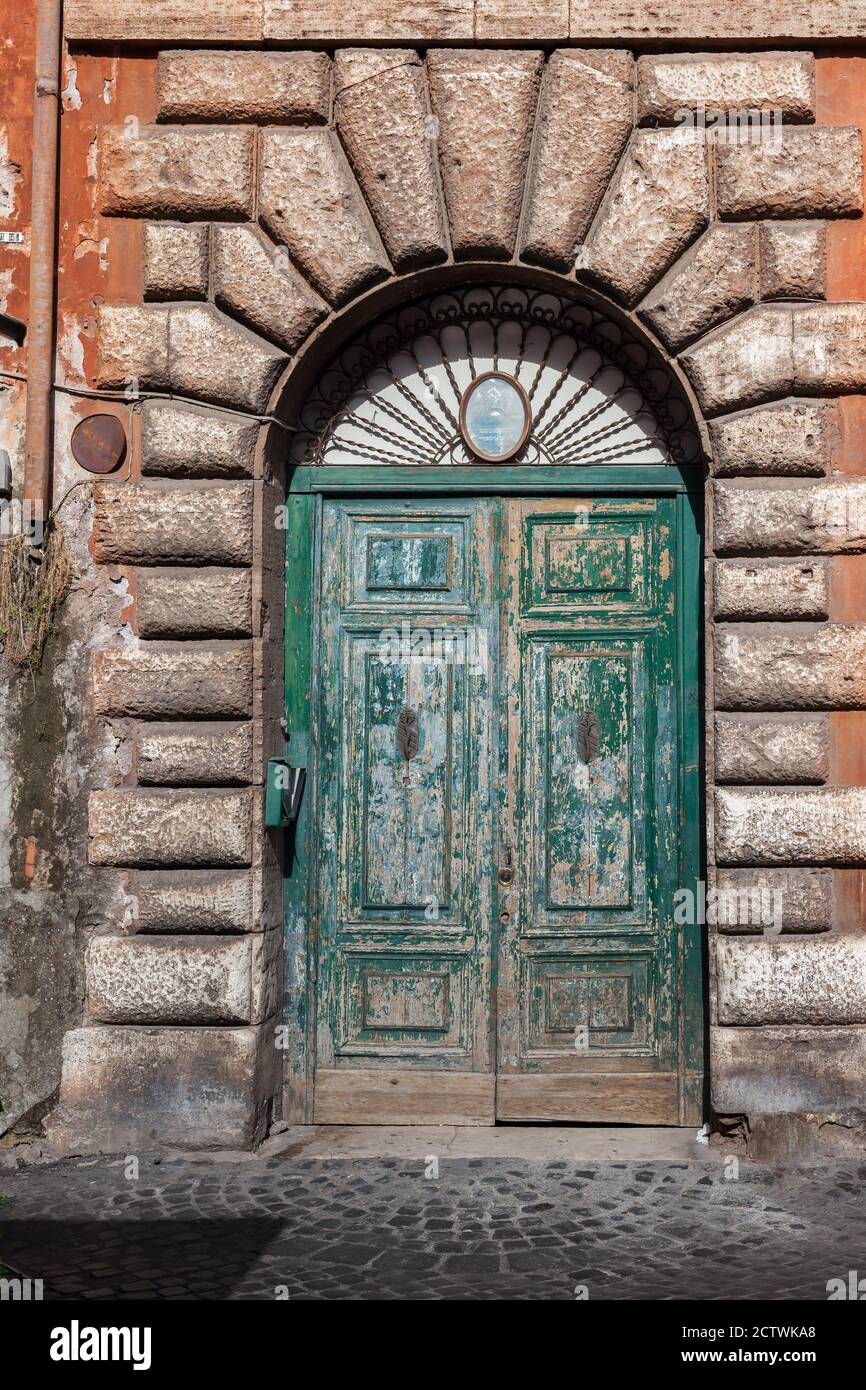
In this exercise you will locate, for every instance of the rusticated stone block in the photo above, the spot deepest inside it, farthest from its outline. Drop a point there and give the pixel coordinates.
(780, 1071)
(584, 120)
(195, 829)
(668, 83)
(779, 349)
(132, 343)
(154, 523)
(194, 603)
(182, 680)
(744, 362)
(657, 203)
(215, 85)
(175, 260)
(257, 284)
(793, 260)
(127, 1089)
(752, 749)
(805, 899)
(788, 437)
(184, 171)
(165, 979)
(823, 826)
(828, 517)
(814, 980)
(716, 278)
(774, 589)
(180, 441)
(381, 113)
(801, 171)
(200, 900)
(829, 347)
(205, 352)
(820, 667)
(484, 102)
(209, 755)
(310, 204)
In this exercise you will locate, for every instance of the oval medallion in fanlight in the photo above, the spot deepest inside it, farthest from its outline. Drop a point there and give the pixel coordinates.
(496, 374)
(495, 417)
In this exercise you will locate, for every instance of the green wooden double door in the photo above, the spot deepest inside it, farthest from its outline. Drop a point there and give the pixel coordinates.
(505, 775)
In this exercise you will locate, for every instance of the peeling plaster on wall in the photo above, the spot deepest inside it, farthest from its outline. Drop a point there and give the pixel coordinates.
(87, 246)
(70, 96)
(70, 353)
(10, 177)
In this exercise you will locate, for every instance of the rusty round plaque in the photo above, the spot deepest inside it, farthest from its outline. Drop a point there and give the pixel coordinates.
(99, 443)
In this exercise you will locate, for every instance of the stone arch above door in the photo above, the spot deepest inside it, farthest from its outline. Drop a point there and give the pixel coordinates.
(264, 241)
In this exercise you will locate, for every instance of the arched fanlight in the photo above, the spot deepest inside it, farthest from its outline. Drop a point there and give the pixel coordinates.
(495, 374)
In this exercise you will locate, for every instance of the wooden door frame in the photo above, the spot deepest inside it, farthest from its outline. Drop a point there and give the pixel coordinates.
(307, 490)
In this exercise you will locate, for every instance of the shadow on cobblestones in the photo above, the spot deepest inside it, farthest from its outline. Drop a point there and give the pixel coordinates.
(483, 1229)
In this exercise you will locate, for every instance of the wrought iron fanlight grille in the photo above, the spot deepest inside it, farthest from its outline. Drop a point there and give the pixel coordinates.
(393, 394)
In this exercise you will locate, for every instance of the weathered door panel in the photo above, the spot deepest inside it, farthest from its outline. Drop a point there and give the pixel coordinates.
(587, 961)
(404, 892)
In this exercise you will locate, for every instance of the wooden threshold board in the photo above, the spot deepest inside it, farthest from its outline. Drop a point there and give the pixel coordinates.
(644, 1098)
(393, 1096)
(389, 1096)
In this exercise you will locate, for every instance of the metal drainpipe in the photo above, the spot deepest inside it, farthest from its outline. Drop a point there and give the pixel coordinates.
(43, 243)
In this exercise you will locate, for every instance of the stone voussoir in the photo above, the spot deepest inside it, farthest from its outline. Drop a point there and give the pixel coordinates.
(816, 980)
(174, 680)
(716, 278)
(747, 590)
(163, 828)
(219, 85)
(798, 171)
(180, 441)
(157, 523)
(825, 825)
(657, 204)
(384, 122)
(584, 119)
(255, 281)
(670, 83)
(484, 102)
(804, 901)
(211, 755)
(309, 203)
(176, 171)
(754, 749)
(790, 667)
(175, 260)
(780, 349)
(205, 349)
(826, 517)
(126, 1089)
(165, 979)
(791, 437)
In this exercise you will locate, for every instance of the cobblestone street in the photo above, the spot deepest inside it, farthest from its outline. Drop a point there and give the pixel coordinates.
(389, 1228)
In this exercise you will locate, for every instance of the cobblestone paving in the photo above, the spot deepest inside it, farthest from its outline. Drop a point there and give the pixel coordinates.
(380, 1229)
